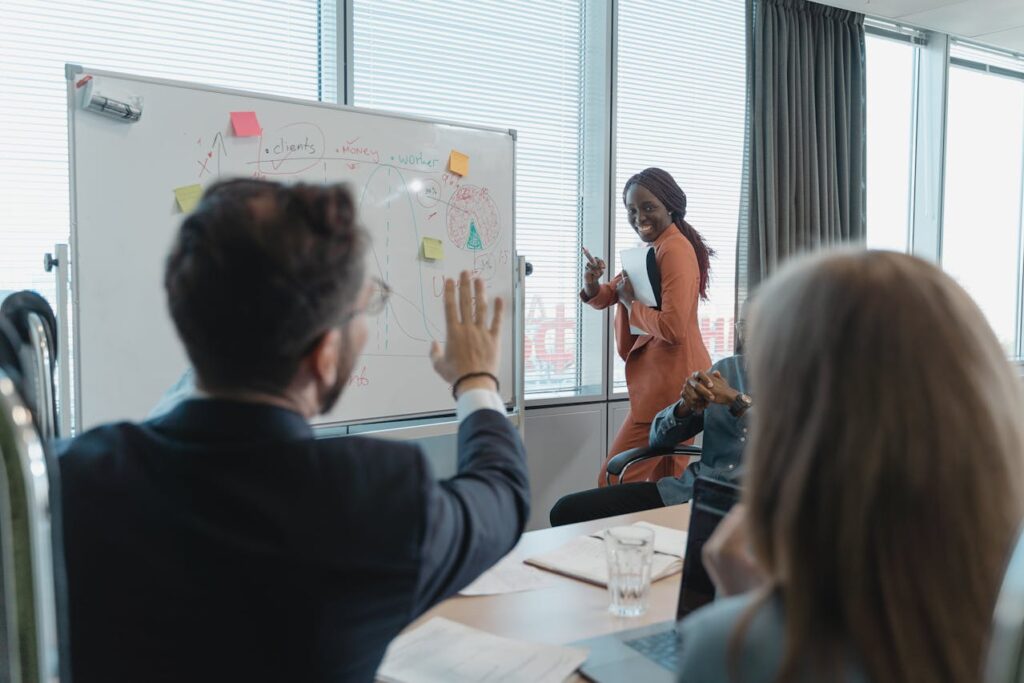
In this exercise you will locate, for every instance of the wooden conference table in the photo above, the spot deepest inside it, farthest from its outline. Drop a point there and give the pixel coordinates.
(569, 610)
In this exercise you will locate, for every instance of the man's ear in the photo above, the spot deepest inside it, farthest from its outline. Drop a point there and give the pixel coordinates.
(324, 358)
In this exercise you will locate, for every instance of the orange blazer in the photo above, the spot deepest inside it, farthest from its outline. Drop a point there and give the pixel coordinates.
(658, 362)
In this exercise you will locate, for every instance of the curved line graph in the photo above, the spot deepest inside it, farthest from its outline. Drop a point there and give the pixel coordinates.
(422, 308)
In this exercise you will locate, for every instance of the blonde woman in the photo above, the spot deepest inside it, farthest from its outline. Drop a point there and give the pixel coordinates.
(884, 487)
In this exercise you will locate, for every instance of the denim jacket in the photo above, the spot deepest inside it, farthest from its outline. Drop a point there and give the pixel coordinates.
(725, 437)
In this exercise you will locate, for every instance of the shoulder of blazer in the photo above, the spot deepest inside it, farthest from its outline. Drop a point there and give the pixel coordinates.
(676, 247)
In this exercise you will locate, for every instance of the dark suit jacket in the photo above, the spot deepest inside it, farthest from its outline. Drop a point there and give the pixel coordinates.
(221, 542)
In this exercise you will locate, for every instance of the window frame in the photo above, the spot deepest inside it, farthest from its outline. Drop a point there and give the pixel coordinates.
(932, 63)
(1018, 75)
(917, 39)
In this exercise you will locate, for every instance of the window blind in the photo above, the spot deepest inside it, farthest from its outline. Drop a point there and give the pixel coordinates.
(508, 65)
(269, 46)
(680, 105)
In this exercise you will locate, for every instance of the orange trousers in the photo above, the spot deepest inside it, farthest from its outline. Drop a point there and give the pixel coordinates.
(633, 434)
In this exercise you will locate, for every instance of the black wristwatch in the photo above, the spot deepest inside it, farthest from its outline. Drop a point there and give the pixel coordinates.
(740, 405)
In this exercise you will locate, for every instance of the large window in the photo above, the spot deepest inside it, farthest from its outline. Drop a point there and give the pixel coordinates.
(982, 218)
(266, 45)
(680, 103)
(509, 65)
(891, 71)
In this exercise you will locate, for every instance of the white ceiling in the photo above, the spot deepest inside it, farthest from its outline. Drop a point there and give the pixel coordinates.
(993, 22)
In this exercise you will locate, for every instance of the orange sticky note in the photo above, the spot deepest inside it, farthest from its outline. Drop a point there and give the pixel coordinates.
(188, 196)
(433, 249)
(246, 124)
(458, 163)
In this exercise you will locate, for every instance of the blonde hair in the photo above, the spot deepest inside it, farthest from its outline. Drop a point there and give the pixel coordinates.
(885, 481)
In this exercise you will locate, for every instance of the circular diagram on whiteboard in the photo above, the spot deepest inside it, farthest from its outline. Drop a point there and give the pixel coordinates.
(473, 222)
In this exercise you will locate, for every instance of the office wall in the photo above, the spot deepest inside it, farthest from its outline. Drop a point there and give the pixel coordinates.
(565, 446)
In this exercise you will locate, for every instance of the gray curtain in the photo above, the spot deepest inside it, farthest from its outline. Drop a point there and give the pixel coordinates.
(804, 183)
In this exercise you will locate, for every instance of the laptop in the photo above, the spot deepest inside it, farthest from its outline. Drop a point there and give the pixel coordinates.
(651, 653)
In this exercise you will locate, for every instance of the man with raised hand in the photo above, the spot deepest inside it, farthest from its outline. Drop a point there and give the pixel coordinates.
(222, 541)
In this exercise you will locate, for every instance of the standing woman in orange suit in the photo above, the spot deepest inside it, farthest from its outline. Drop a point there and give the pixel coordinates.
(670, 348)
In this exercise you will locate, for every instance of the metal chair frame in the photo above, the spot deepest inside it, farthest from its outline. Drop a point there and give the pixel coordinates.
(27, 579)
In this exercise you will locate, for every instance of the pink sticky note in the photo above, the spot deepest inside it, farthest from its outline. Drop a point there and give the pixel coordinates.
(245, 124)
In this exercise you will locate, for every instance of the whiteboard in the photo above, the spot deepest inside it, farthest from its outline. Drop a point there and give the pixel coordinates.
(125, 216)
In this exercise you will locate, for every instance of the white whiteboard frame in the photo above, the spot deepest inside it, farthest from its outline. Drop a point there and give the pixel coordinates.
(517, 405)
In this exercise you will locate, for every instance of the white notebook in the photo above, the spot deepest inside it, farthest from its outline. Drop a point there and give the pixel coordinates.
(444, 651)
(634, 263)
(584, 557)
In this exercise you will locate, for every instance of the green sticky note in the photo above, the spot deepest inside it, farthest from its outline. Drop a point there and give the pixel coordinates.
(433, 249)
(188, 196)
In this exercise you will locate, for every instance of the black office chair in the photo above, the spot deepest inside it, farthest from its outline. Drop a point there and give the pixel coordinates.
(620, 463)
(33, 635)
(35, 327)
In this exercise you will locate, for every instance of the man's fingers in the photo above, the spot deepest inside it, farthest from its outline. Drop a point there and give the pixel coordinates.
(465, 298)
(703, 379)
(451, 315)
(480, 302)
(499, 308)
(435, 352)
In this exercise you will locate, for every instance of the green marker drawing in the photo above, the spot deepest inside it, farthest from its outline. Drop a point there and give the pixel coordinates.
(474, 243)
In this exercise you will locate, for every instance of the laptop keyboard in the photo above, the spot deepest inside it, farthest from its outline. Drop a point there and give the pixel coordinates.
(661, 648)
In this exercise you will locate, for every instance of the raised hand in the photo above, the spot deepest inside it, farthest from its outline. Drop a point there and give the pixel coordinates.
(474, 344)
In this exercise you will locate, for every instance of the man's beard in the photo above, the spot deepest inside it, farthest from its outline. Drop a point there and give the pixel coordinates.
(333, 393)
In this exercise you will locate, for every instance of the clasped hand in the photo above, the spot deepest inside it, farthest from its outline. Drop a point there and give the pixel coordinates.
(702, 389)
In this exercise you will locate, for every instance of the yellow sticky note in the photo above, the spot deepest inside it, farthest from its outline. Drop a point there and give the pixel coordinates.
(433, 249)
(458, 163)
(188, 196)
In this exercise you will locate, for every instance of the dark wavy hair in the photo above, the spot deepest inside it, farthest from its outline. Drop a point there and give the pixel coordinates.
(258, 272)
(663, 186)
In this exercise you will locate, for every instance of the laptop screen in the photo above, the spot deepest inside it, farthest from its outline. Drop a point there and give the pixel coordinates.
(712, 500)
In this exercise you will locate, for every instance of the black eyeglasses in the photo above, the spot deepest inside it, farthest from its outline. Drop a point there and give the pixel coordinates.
(379, 297)
(380, 293)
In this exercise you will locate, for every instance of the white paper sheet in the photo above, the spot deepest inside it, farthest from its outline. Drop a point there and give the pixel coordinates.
(510, 575)
(634, 262)
(445, 651)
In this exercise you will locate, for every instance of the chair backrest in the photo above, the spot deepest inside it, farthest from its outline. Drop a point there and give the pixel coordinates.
(31, 317)
(1005, 662)
(29, 630)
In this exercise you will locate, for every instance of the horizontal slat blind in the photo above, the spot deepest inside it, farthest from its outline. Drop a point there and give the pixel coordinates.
(680, 104)
(509, 65)
(264, 45)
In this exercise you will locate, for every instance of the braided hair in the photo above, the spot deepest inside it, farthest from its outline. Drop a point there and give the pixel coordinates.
(664, 187)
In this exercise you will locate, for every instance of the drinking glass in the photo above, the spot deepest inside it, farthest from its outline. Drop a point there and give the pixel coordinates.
(630, 551)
